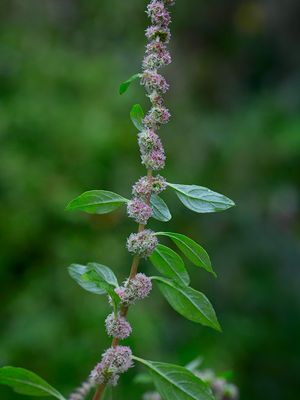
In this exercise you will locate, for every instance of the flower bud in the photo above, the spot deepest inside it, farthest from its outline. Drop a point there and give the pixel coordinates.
(139, 210)
(142, 243)
(115, 360)
(117, 326)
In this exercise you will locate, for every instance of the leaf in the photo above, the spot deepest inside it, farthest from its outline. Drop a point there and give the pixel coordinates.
(194, 364)
(97, 202)
(125, 85)
(188, 302)
(201, 199)
(192, 250)
(160, 209)
(27, 382)
(104, 273)
(175, 382)
(170, 264)
(100, 275)
(137, 116)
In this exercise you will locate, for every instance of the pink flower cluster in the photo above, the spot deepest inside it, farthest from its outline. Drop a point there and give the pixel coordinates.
(143, 243)
(158, 13)
(158, 33)
(115, 361)
(139, 210)
(145, 186)
(152, 151)
(154, 82)
(157, 55)
(117, 326)
(134, 289)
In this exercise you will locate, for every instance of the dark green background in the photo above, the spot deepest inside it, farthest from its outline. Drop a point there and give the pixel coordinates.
(235, 100)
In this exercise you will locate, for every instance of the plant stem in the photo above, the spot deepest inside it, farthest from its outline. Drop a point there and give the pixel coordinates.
(124, 310)
(99, 392)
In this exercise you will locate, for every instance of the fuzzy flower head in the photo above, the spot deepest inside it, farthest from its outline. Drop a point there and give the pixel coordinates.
(148, 140)
(158, 32)
(157, 56)
(158, 13)
(117, 326)
(146, 186)
(139, 210)
(158, 115)
(154, 160)
(154, 82)
(115, 361)
(141, 285)
(134, 289)
(143, 243)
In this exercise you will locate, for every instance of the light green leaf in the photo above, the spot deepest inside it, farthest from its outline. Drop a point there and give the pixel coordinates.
(188, 302)
(27, 382)
(201, 199)
(192, 250)
(170, 264)
(137, 116)
(97, 202)
(160, 209)
(125, 85)
(104, 273)
(175, 382)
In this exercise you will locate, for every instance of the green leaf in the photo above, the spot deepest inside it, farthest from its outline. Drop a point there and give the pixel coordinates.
(188, 302)
(170, 264)
(104, 273)
(192, 250)
(27, 382)
(125, 85)
(97, 202)
(194, 364)
(175, 382)
(201, 199)
(160, 209)
(137, 116)
(101, 277)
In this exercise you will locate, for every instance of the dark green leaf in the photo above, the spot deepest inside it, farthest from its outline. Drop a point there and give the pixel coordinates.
(175, 382)
(160, 209)
(27, 382)
(97, 202)
(201, 199)
(137, 116)
(125, 85)
(188, 302)
(170, 264)
(104, 273)
(101, 277)
(192, 250)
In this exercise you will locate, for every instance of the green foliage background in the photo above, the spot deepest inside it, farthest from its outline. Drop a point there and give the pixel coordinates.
(236, 128)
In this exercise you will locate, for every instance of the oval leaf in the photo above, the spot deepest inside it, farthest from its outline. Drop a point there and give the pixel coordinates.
(125, 85)
(97, 202)
(175, 382)
(201, 199)
(137, 116)
(170, 264)
(188, 302)
(104, 273)
(27, 382)
(160, 209)
(192, 250)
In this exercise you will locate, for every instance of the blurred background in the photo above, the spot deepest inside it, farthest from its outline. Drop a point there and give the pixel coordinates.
(235, 100)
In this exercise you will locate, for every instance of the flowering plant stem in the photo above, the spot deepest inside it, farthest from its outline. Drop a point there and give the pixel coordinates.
(124, 309)
(172, 381)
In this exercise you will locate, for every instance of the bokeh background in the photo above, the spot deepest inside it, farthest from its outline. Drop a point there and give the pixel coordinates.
(235, 100)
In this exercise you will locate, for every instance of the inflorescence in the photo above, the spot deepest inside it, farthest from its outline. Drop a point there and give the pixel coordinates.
(118, 359)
